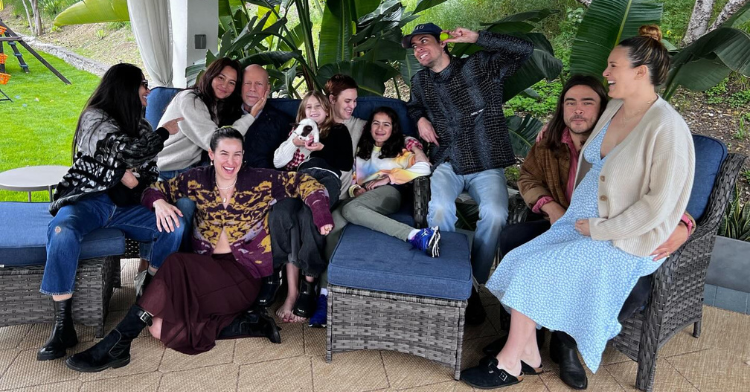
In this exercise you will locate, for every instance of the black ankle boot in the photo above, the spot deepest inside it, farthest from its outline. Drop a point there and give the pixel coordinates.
(63, 333)
(114, 350)
(305, 304)
(475, 313)
(268, 289)
(141, 281)
(563, 350)
(254, 323)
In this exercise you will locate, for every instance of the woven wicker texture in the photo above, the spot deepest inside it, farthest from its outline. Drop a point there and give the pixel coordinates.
(22, 303)
(677, 289)
(367, 320)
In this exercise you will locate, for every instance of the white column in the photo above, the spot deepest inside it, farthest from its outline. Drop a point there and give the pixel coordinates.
(191, 17)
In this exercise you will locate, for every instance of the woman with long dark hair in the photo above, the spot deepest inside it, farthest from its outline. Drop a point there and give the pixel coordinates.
(114, 161)
(382, 164)
(214, 101)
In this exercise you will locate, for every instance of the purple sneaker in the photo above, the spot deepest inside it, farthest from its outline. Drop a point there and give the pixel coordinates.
(427, 240)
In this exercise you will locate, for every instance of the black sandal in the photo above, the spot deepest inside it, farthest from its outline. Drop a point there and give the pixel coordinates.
(487, 375)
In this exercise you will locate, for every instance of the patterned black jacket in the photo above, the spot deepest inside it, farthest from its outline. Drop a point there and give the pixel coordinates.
(464, 103)
(104, 153)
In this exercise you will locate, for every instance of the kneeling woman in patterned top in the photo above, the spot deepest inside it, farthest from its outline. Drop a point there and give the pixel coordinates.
(196, 298)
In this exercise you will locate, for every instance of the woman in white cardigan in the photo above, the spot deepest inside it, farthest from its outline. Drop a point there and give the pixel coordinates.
(635, 181)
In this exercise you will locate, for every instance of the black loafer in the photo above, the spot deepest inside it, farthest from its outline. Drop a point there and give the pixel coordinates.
(487, 375)
(268, 289)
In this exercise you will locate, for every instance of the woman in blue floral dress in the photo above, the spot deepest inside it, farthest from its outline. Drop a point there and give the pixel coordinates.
(637, 171)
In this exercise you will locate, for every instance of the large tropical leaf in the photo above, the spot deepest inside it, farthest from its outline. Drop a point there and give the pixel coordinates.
(740, 19)
(94, 11)
(523, 133)
(541, 65)
(336, 29)
(370, 76)
(409, 66)
(708, 60)
(604, 25)
(425, 4)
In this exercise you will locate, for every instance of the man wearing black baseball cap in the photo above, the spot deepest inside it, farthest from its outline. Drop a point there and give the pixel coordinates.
(457, 104)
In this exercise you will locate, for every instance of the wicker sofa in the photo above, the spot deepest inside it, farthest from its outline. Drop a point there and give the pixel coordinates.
(676, 298)
(22, 256)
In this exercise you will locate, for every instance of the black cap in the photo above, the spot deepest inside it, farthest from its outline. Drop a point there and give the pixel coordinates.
(425, 28)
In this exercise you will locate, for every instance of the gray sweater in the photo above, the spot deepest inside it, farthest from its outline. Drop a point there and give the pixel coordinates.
(184, 148)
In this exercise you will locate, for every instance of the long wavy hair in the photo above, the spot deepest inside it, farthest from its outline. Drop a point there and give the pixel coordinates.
(117, 95)
(556, 126)
(223, 111)
(392, 147)
(328, 122)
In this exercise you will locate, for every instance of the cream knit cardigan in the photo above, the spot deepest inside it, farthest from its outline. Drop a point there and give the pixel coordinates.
(645, 184)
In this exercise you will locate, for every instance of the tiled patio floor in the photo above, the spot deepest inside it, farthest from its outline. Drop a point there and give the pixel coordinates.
(718, 361)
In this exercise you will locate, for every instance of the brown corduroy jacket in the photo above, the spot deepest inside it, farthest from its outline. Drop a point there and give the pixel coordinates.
(544, 174)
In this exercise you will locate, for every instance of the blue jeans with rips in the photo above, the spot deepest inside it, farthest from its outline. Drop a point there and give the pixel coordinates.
(73, 222)
(489, 189)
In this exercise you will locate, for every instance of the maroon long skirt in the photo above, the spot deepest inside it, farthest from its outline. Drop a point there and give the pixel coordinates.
(197, 296)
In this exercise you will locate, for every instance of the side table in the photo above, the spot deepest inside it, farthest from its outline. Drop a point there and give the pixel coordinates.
(32, 178)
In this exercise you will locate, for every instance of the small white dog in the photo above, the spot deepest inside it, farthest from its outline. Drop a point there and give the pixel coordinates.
(307, 127)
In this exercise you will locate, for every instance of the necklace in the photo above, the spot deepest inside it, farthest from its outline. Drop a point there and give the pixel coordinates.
(628, 119)
(224, 198)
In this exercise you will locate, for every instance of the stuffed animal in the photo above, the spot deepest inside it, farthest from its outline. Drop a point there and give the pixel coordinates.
(307, 127)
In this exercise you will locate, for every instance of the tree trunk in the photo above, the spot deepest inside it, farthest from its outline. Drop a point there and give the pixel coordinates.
(28, 17)
(585, 2)
(730, 9)
(698, 21)
(37, 17)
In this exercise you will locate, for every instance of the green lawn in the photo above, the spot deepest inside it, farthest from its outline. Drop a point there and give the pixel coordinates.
(37, 127)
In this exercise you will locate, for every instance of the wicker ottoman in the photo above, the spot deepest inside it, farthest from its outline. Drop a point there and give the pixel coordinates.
(22, 258)
(385, 295)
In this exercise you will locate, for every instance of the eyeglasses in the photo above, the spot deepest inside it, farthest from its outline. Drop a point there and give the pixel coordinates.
(144, 83)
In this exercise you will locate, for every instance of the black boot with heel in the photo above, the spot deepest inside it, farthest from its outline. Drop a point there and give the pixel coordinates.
(255, 323)
(63, 333)
(305, 304)
(114, 350)
(564, 350)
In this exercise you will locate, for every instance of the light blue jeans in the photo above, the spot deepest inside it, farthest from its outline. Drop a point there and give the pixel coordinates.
(489, 189)
(73, 222)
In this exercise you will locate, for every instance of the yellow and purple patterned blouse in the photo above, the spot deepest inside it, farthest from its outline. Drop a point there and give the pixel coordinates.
(245, 219)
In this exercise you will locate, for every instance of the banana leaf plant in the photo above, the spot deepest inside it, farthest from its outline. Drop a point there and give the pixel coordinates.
(698, 66)
(93, 11)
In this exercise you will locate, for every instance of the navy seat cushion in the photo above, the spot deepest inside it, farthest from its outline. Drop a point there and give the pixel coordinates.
(160, 97)
(157, 102)
(369, 260)
(709, 155)
(365, 106)
(23, 236)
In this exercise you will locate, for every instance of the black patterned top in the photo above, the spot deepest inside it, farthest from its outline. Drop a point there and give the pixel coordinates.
(245, 219)
(464, 103)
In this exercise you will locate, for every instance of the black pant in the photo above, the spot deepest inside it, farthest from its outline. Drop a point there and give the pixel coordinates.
(295, 238)
(329, 180)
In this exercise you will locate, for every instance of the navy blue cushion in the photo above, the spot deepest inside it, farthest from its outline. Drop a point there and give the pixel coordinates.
(23, 236)
(157, 102)
(709, 155)
(365, 106)
(366, 259)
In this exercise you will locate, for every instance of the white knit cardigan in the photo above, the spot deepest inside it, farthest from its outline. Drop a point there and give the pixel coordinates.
(646, 181)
